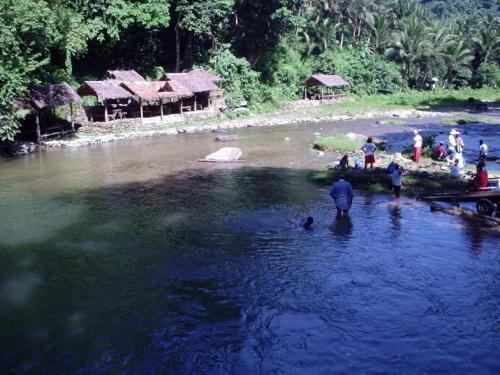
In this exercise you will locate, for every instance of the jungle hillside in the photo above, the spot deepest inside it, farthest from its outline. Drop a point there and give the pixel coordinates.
(263, 49)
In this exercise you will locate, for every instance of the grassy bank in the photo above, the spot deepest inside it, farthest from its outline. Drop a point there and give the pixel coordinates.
(469, 119)
(379, 182)
(338, 142)
(424, 100)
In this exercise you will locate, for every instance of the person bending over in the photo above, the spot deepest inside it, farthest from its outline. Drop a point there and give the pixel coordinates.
(342, 195)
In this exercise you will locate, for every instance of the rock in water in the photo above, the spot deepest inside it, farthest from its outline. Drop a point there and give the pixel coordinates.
(18, 148)
(226, 138)
(225, 154)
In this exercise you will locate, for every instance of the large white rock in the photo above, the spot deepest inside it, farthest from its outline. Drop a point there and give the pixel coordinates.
(225, 154)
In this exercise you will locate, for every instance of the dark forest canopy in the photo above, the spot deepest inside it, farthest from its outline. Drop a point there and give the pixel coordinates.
(264, 49)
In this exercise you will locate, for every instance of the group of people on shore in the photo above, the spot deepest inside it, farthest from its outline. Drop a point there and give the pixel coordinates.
(342, 191)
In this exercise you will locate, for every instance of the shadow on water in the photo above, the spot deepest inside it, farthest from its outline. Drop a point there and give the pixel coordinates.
(138, 256)
(211, 272)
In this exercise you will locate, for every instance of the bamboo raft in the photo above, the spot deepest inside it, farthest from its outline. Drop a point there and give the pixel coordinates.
(486, 200)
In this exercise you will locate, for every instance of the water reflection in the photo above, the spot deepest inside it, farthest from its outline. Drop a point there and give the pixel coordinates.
(342, 228)
(395, 216)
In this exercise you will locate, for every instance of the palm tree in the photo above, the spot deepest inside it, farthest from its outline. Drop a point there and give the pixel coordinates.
(487, 43)
(457, 55)
(411, 47)
(381, 31)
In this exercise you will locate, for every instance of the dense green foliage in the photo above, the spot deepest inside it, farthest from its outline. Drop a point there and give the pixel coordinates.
(264, 49)
(366, 73)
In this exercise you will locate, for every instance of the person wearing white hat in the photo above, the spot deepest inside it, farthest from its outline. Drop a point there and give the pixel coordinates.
(417, 146)
(483, 150)
(452, 145)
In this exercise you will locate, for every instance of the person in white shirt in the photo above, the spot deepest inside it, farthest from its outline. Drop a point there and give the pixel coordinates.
(483, 150)
(455, 170)
(452, 146)
(369, 149)
(460, 143)
(417, 146)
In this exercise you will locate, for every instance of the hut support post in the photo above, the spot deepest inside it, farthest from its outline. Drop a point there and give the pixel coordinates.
(194, 102)
(142, 111)
(105, 111)
(161, 109)
(38, 131)
(180, 107)
(305, 93)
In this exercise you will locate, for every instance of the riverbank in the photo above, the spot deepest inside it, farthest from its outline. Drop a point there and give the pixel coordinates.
(444, 104)
(377, 181)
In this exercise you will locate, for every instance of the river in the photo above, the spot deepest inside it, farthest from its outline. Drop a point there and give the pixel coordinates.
(135, 258)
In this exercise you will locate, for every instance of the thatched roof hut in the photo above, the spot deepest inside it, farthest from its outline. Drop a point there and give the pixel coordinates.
(46, 97)
(197, 80)
(178, 88)
(124, 75)
(158, 90)
(105, 90)
(53, 95)
(206, 75)
(326, 80)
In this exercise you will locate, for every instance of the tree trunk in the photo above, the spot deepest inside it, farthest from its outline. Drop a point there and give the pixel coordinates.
(188, 51)
(38, 130)
(341, 40)
(177, 45)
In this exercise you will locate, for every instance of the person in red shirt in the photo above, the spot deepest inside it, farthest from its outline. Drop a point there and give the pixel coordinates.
(440, 151)
(481, 179)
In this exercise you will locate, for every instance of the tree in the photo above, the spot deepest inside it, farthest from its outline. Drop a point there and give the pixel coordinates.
(487, 43)
(381, 31)
(194, 18)
(410, 46)
(27, 32)
(259, 24)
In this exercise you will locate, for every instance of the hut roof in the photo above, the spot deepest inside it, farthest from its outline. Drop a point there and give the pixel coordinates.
(329, 80)
(178, 88)
(196, 80)
(53, 95)
(124, 75)
(104, 90)
(206, 75)
(154, 90)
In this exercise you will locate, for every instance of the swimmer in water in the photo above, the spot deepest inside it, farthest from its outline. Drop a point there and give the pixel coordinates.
(308, 223)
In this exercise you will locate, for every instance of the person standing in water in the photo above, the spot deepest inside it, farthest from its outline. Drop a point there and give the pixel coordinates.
(397, 175)
(369, 149)
(417, 146)
(342, 195)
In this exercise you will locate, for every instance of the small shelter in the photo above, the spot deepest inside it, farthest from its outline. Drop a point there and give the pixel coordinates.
(200, 82)
(106, 92)
(324, 80)
(157, 91)
(50, 96)
(124, 75)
